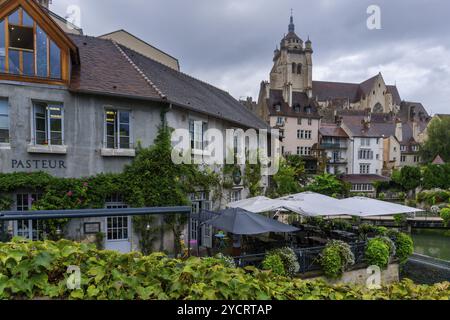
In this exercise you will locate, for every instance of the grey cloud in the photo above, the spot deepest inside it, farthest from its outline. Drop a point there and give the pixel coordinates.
(229, 43)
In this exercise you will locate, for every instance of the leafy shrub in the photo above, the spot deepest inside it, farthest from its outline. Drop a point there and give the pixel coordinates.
(391, 245)
(377, 253)
(227, 260)
(445, 215)
(404, 245)
(274, 263)
(289, 259)
(342, 225)
(382, 196)
(433, 197)
(336, 258)
(36, 270)
(400, 219)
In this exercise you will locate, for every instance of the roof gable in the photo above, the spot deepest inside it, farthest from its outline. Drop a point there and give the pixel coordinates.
(42, 18)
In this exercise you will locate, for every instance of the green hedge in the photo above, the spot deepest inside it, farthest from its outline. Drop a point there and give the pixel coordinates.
(39, 270)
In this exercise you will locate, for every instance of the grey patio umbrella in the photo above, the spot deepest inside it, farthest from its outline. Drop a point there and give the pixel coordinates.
(241, 222)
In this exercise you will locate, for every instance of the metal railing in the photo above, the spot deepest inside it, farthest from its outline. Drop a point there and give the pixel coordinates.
(308, 258)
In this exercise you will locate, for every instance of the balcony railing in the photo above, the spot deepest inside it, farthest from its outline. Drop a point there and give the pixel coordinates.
(326, 145)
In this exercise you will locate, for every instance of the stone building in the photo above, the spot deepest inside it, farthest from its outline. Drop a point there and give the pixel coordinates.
(76, 106)
(294, 103)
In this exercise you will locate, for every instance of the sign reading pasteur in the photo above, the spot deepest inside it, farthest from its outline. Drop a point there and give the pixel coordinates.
(38, 164)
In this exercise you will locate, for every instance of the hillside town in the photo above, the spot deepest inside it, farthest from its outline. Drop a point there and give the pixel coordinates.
(89, 129)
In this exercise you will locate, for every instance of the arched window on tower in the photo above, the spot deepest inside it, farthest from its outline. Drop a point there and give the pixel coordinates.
(378, 108)
(294, 67)
(299, 68)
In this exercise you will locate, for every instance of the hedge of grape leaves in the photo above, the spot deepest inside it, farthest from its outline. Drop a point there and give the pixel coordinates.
(38, 270)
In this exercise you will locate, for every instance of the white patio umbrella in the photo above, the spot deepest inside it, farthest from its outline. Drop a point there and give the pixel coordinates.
(371, 207)
(258, 205)
(314, 205)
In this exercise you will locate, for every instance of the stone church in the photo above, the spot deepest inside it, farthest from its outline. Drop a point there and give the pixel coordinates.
(303, 109)
(291, 83)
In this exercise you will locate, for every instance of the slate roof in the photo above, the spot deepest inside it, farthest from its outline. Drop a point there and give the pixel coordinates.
(325, 90)
(112, 69)
(438, 160)
(356, 128)
(332, 131)
(363, 178)
(300, 101)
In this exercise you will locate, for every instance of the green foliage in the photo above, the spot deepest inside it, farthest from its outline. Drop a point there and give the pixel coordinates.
(336, 258)
(285, 181)
(436, 176)
(329, 185)
(409, 178)
(382, 196)
(438, 141)
(289, 259)
(433, 197)
(445, 215)
(274, 263)
(377, 253)
(404, 245)
(400, 219)
(38, 270)
(252, 179)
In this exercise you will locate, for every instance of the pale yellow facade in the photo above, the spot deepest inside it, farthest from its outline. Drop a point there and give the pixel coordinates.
(130, 41)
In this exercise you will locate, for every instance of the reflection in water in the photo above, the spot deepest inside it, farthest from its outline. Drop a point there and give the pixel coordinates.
(432, 242)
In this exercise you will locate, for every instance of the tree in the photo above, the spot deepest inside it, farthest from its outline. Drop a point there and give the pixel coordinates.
(329, 185)
(409, 178)
(285, 181)
(438, 142)
(154, 180)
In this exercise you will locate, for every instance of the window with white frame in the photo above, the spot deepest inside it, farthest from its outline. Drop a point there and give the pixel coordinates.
(415, 148)
(309, 122)
(4, 121)
(304, 134)
(403, 148)
(403, 159)
(117, 129)
(197, 130)
(117, 228)
(48, 124)
(304, 151)
(365, 154)
(365, 142)
(364, 168)
(28, 229)
(280, 121)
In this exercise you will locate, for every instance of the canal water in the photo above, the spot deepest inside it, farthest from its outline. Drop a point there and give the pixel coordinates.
(432, 242)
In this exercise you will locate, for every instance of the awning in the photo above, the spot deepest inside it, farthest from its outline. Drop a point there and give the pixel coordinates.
(314, 205)
(241, 222)
(371, 207)
(258, 205)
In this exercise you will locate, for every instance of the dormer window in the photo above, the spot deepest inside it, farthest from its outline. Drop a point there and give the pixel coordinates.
(27, 50)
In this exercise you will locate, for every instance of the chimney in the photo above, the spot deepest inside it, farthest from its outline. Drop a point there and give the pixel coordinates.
(399, 130)
(44, 3)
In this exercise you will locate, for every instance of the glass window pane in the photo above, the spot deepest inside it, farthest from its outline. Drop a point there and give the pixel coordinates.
(27, 20)
(41, 53)
(14, 17)
(14, 65)
(55, 61)
(4, 121)
(2, 46)
(124, 117)
(28, 63)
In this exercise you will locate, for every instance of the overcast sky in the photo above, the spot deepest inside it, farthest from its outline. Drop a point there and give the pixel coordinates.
(230, 43)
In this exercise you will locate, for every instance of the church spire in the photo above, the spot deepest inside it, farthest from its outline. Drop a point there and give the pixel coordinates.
(291, 24)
